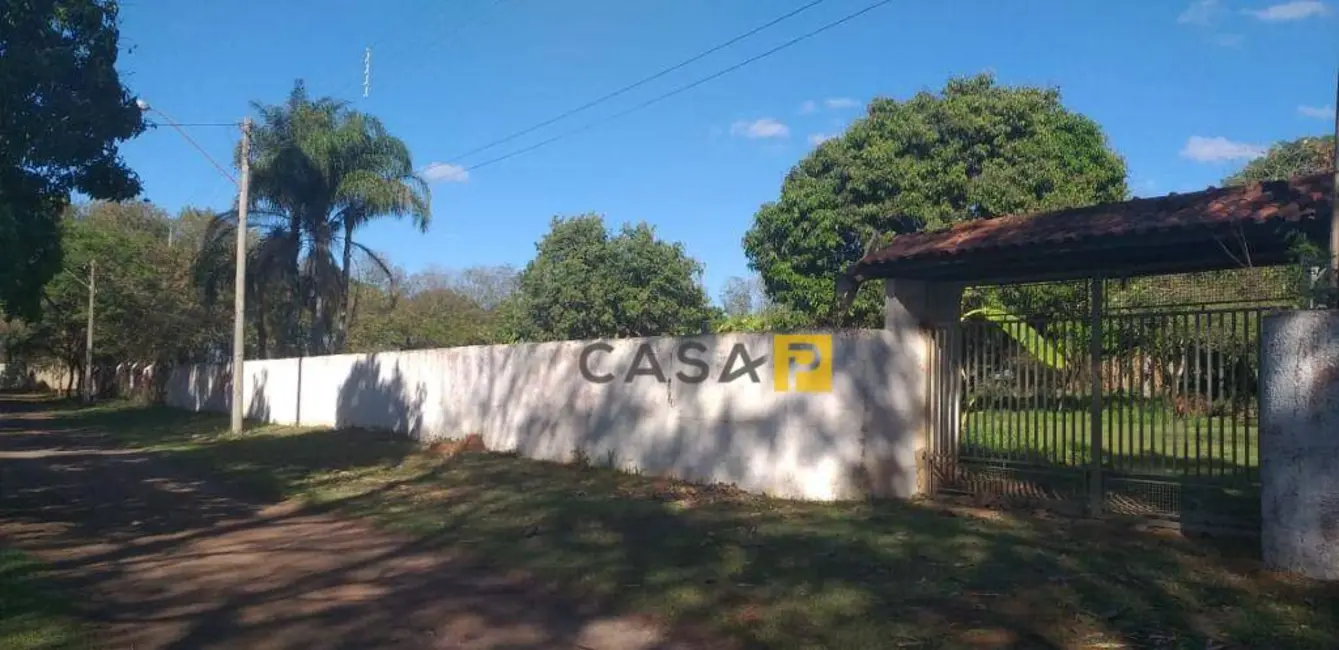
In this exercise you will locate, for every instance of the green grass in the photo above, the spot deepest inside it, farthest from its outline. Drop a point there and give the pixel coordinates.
(33, 616)
(1148, 441)
(769, 573)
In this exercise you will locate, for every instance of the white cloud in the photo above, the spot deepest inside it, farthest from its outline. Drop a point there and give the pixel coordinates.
(765, 127)
(840, 102)
(1228, 40)
(1219, 149)
(1318, 112)
(1295, 10)
(819, 138)
(1201, 12)
(809, 106)
(440, 172)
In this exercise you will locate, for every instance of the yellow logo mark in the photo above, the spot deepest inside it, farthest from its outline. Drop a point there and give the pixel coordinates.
(809, 356)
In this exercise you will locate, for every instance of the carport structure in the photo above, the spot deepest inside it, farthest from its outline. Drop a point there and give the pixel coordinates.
(1079, 384)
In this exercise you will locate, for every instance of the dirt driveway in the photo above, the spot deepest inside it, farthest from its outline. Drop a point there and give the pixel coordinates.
(162, 559)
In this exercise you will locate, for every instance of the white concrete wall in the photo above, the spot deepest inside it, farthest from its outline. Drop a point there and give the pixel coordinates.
(1299, 443)
(862, 437)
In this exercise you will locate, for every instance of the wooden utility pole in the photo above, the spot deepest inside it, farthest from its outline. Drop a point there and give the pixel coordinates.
(88, 344)
(239, 287)
(1334, 206)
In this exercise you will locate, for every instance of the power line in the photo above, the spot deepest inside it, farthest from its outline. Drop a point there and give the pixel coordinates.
(679, 90)
(173, 123)
(232, 124)
(640, 83)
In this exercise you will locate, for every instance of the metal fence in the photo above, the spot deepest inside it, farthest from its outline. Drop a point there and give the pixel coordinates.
(1135, 408)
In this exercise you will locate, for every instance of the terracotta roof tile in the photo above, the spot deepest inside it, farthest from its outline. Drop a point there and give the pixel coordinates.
(1297, 199)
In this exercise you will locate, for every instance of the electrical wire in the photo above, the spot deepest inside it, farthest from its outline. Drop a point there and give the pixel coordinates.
(638, 84)
(172, 123)
(193, 124)
(679, 90)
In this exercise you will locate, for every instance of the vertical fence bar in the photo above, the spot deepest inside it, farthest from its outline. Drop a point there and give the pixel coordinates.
(1015, 374)
(1183, 461)
(1196, 396)
(1116, 370)
(1048, 390)
(1235, 379)
(996, 423)
(1206, 458)
(1095, 489)
(974, 412)
(1035, 366)
(1145, 377)
(1166, 392)
(1067, 412)
(987, 392)
(1127, 404)
(1221, 406)
(1252, 417)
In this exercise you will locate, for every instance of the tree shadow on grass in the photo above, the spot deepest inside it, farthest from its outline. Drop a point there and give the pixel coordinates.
(768, 573)
(779, 574)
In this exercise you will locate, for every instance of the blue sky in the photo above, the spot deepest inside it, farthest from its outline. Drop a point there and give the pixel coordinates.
(1186, 91)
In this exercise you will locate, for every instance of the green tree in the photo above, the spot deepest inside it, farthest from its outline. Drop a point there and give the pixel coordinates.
(973, 151)
(320, 172)
(743, 296)
(585, 283)
(431, 309)
(1300, 157)
(65, 111)
(1284, 160)
(146, 309)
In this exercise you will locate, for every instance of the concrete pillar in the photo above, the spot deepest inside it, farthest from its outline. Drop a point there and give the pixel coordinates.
(932, 312)
(1299, 443)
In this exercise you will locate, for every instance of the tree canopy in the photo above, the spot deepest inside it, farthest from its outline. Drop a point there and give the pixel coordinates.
(321, 171)
(64, 112)
(1300, 157)
(147, 308)
(585, 283)
(430, 309)
(975, 150)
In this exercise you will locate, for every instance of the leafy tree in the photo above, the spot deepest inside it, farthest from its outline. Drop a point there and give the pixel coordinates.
(1289, 159)
(321, 171)
(743, 296)
(973, 151)
(432, 309)
(771, 318)
(1300, 157)
(65, 111)
(146, 309)
(488, 286)
(585, 283)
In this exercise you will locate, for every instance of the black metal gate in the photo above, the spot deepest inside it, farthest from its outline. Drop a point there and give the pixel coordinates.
(1127, 409)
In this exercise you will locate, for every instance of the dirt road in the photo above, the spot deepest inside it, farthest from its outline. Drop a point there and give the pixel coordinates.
(162, 559)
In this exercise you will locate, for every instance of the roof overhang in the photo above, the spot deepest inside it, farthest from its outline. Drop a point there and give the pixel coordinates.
(1211, 230)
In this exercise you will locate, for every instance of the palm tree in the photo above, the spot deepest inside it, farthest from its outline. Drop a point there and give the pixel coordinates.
(320, 171)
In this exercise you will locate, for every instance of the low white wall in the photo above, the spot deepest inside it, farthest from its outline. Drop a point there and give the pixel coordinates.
(1299, 443)
(862, 437)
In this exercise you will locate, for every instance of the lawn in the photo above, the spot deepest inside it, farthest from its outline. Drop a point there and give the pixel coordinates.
(769, 573)
(1144, 440)
(33, 616)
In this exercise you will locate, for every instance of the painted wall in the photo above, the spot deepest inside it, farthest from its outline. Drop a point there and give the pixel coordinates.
(1299, 443)
(861, 437)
